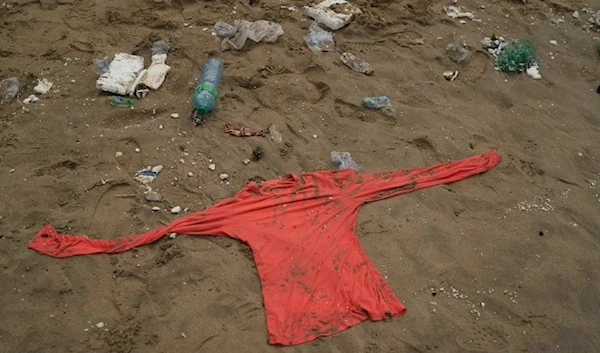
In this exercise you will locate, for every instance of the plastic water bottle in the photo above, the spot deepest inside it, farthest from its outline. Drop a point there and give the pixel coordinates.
(205, 94)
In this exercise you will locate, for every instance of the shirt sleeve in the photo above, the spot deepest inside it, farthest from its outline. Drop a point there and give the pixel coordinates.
(212, 221)
(369, 187)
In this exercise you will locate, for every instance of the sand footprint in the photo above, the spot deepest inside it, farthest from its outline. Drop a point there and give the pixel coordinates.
(475, 68)
(482, 338)
(428, 152)
(112, 215)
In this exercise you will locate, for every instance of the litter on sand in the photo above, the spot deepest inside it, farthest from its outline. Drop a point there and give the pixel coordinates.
(382, 103)
(126, 75)
(319, 39)
(244, 131)
(356, 64)
(148, 174)
(258, 31)
(323, 14)
(344, 160)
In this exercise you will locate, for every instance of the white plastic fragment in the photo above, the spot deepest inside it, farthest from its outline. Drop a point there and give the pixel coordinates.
(31, 99)
(534, 72)
(456, 12)
(123, 72)
(43, 86)
(323, 14)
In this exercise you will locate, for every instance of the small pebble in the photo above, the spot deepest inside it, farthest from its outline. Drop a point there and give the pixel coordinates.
(183, 335)
(153, 196)
(315, 136)
(175, 116)
(137, 150)
(160, 127)
(173, 235)
(155, 209)
(224, 176)
(118, 154)
(100, 324)
(553, 42)
(576, 14)
(176, 210)
(190, 174)
(246, 161)
(212, 167)
(210, 161)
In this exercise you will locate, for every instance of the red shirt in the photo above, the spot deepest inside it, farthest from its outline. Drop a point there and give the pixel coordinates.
(316, 279)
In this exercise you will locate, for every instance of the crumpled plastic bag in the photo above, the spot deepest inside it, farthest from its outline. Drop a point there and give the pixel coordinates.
(319, 39)
(344, 160)
(258, 31)
(9, 88)
(383, 103)
(323, 14)
(122, 75)
(224, 29)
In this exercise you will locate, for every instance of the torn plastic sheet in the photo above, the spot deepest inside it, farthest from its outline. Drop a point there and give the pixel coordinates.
(323, 14)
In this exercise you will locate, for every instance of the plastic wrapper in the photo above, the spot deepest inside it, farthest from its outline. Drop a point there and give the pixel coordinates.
(319, 39)
(258, 31)
(9, 88)
(344, 160)
(323, 14)
(382, 103)
(356, 64)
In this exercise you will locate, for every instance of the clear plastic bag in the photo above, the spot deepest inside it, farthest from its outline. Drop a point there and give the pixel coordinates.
(319, 39)
(224, 29)
(9, 88)
(344, 160)
(258, 31)
(160, 47)
(101, 66)
(456, 53)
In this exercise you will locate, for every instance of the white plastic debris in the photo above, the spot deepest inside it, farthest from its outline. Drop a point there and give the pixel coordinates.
(31, 99)
(258, 31)
(450, 75)
(155, 75)
(43, 86)
(323, 14)
(123, 72)
(176, 210)
(534, 72)
(457, 12)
